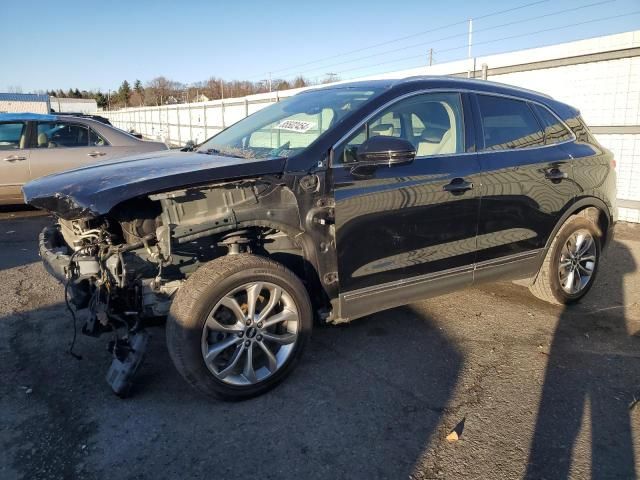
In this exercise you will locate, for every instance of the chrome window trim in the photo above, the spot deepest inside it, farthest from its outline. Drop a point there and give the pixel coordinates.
(447, 90)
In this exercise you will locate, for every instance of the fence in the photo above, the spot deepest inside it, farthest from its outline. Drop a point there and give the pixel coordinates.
(601, 76)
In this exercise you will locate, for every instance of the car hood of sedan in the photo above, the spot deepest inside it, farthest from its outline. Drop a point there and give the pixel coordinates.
(95, 189)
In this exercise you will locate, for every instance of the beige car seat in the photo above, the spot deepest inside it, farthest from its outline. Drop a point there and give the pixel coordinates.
(23, 139)
(43, 140)
(383, 129)
(438, 137)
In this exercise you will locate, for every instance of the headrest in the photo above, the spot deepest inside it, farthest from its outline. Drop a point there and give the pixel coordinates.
(433, 134)
(382, 129)
(43, 140)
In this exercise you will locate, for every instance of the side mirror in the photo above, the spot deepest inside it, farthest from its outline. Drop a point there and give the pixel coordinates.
(383, 150)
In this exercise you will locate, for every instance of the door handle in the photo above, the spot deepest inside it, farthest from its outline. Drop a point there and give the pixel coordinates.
(96, 154)
(14, 158)
(458, 186)
(555, 174)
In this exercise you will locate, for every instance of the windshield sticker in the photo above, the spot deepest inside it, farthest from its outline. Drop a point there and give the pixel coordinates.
(295, 125)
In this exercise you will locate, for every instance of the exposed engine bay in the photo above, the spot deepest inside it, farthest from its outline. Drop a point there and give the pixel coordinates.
(122, 270)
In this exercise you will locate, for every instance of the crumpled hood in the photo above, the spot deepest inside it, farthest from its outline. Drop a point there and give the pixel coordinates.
(97, 188)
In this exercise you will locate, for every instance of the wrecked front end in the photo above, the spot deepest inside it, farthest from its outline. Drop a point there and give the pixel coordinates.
(123, 263)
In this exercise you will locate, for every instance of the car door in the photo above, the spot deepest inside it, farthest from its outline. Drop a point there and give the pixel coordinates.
(527, 185)
(64, 145)
(14, 163)
(400, 228)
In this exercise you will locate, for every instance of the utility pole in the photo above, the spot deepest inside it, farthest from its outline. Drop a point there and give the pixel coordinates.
(470, 42)
(108, 100)
(330, 76)
(470, 37)
(269, 82)
(430, 56)
(221, 89)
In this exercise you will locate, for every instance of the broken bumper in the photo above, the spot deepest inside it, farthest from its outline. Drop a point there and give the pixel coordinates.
(53, 252)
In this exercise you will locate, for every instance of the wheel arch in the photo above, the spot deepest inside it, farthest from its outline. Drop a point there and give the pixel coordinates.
(590, 207)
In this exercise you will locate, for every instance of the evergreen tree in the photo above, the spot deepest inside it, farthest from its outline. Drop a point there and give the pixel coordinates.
(124, 92)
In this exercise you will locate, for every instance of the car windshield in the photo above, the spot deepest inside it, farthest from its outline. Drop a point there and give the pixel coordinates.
(288, 127)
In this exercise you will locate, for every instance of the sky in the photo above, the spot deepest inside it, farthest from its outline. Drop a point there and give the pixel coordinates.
(96, 45)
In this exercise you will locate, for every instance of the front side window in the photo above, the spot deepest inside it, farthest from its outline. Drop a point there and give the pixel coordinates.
(290, 126)
(554, 130)
(432, 122)
(12, 135)
(508, 124)
(60, 134)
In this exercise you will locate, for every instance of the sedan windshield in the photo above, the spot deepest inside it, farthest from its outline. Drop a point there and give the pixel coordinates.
(288, 127)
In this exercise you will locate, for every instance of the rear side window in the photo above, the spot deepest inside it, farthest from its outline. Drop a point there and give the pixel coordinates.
(12, 136)
(60, 134)
(554, 130)
(508, 124)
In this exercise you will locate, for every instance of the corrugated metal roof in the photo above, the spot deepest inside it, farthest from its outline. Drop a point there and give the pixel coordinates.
(23, 97)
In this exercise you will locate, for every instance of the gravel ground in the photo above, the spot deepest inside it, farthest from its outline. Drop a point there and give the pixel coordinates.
(543, 392)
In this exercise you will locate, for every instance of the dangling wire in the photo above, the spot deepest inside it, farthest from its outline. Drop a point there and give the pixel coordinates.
(73, 316)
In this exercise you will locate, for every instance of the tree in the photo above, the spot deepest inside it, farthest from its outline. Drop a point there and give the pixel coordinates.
(160, 88)
(300, 82)
(124, 92)
(139, 91)
(101, 99)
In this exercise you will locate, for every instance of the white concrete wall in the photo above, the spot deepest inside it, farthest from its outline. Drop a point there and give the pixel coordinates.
(606, 91)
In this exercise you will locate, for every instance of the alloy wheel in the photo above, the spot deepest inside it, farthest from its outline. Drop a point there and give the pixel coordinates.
(577, 262)
(250, 333)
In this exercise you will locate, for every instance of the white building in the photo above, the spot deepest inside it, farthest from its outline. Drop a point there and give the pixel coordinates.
(74, 105)
(24, 102)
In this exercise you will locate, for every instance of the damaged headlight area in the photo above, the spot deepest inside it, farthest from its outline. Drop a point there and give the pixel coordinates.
(113, 270)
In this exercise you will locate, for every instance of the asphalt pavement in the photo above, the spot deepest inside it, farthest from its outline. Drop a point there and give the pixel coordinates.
(536, 391)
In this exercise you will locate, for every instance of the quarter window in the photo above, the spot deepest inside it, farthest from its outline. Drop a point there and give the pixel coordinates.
(432, 122)
(12, 136)
(554, 130)
(96, 140)
(508, 124)
(58, 134)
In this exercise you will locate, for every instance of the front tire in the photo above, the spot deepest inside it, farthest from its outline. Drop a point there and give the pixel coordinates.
(571, 264)
(238, 326)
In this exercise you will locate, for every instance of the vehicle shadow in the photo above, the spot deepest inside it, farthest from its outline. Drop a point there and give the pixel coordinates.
(589, 388)
(364, 403)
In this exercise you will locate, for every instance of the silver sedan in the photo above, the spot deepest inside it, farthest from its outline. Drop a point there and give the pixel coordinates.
(33, 145)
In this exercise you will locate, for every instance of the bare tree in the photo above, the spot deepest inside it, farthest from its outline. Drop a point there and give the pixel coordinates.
(14, 89)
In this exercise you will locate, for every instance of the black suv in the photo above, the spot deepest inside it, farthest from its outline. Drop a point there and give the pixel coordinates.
(332, 204)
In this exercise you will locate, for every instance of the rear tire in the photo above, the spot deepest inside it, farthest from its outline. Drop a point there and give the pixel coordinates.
(571, 264)
(224, 347)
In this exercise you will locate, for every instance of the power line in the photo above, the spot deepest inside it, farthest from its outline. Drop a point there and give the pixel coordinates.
(497, 40)
(399, 39)
(449, 37)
